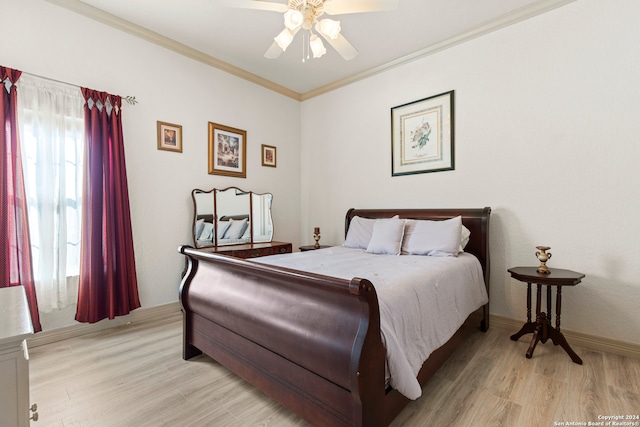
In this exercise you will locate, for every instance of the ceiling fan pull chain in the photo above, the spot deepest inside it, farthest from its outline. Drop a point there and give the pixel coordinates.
(305, 47)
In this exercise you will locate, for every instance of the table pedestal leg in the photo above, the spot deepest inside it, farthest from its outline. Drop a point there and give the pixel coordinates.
(540, 334)
(530, 326)
(558, 339)
(527, 328)
(556, 336)
(541, 328)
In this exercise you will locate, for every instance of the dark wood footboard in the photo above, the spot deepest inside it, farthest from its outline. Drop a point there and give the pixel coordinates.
(310, 341)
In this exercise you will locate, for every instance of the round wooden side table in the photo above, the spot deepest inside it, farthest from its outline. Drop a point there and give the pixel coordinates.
(541, 328)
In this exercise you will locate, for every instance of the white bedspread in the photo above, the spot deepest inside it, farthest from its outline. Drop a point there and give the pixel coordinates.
(423, 299)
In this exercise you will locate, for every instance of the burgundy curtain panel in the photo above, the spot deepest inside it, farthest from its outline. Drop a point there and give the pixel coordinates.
(108, 284)
(15, 246)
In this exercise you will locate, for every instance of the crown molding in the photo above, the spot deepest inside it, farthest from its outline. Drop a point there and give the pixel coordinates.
(160, 40)
(498, 23)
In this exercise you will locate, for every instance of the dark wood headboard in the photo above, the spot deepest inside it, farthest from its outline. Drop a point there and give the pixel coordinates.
(476, 220)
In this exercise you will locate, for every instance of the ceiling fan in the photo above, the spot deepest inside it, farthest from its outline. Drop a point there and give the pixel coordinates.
(305, 15)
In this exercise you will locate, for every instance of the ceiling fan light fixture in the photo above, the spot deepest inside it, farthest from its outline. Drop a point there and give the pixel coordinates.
(329, 28)
(317, 47)
(284, 39)
(293, 19)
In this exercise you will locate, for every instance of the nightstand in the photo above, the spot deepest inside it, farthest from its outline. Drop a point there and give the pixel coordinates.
(312, 248)
(541, 328)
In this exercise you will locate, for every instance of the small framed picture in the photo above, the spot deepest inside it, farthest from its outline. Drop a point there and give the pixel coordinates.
(268, 156)
(227, 151)
(422, 136)
(169, 137)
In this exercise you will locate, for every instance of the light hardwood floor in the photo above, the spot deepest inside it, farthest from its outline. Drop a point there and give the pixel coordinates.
(134, 376)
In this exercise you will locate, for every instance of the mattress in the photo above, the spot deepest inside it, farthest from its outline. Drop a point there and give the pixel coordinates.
(423, 299)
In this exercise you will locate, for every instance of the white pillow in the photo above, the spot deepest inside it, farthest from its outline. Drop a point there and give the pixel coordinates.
(207, 231)
(223, 226)
(464, 237)
(435, 238)
(236, 228)
(360, 231)
(199, 226)
(386, 237)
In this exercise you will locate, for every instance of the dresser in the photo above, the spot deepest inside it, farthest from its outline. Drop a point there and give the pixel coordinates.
(252, 250)
(15, 327)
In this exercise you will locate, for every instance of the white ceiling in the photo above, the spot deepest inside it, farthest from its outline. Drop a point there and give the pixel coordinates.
(236, 39)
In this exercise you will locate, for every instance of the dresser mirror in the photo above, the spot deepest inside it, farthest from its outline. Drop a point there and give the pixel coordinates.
(231, 217)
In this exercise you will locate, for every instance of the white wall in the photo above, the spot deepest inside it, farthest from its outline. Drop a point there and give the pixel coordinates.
(546, 133)
(43, 39)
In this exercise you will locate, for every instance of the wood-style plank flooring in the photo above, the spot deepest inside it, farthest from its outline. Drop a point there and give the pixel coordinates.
(134, 376)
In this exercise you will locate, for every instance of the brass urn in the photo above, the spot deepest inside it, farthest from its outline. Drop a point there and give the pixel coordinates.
(543, 256)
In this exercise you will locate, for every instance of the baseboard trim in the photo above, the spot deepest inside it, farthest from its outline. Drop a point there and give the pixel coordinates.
(593, 342)
(160, 312)
(140, 315)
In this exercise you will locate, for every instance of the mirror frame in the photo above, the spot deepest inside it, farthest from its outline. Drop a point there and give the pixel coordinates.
(214, 192)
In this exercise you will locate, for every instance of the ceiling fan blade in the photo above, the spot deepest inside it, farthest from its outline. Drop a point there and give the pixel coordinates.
(342, 45)
(341, 7)
(273, 52)
(256, 4)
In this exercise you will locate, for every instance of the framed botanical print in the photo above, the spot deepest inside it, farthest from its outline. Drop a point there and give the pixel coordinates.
(227, 151)
(169, 137)
(422, 136)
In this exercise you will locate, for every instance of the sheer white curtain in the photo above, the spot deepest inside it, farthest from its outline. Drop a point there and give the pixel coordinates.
(52, 134)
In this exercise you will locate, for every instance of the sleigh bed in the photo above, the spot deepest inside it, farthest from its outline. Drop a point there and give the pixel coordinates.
(311, 341)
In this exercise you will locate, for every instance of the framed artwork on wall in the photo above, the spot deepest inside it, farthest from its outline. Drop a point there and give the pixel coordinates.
(169, 137)
(227, 151)
(422, 136)
(268, 155)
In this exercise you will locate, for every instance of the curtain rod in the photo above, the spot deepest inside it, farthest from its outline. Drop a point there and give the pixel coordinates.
(130, 99)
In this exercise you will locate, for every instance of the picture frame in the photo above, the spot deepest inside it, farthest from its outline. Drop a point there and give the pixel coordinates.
(422, 135)
(227, 151)
(169, 137)
(268, 155)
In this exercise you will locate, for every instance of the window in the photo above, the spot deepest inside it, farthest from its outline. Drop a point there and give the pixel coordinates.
(52, 138)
